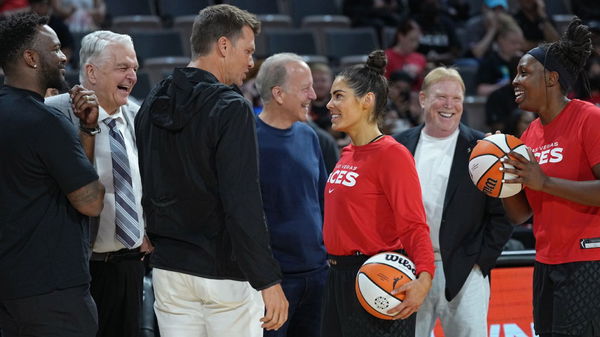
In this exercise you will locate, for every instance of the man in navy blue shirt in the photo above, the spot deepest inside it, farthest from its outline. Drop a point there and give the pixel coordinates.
(292, 177)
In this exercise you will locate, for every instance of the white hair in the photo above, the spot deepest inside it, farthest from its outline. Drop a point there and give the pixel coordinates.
(94, 44)
(272, 73)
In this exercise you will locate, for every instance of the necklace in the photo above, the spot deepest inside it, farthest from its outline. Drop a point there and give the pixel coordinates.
(375, 139)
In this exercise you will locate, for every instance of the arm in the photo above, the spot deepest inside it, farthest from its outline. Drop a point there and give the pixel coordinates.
(89, 199)
(517, 208)
(531, 175)
(550, 33)
(480, 47)
(402, 188)
(236, 161)
(85, 106)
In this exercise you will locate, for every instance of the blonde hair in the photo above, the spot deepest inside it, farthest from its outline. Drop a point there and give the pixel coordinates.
(441, 74)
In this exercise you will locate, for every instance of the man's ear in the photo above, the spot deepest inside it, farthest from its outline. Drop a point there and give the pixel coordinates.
(31, 57)
(277, 93)
(222, 44)
(90, 73)
(422, 99)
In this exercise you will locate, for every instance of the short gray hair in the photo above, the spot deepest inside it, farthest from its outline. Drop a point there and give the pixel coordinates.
(95, 43)
(272, 73)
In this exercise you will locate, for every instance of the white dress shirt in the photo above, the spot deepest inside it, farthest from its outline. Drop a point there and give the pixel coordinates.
(433, 158)
(105, 239)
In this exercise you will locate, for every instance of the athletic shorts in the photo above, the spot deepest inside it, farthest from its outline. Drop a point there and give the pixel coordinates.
(566, 298)
(343, 316)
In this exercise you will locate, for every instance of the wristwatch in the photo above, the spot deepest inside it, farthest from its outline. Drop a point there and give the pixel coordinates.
(90, 131)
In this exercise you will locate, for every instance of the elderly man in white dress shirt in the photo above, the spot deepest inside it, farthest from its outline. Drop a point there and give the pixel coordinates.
(108, 65)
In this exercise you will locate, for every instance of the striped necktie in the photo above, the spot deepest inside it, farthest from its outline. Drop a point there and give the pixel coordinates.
(126, 218)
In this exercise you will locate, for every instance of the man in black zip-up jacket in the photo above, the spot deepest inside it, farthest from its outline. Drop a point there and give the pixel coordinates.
(197, 148)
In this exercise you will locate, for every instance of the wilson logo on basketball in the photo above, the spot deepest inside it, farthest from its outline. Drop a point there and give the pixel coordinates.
(401, 261)
(378, 277)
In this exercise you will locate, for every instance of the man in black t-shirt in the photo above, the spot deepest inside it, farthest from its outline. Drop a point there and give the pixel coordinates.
(48, 185)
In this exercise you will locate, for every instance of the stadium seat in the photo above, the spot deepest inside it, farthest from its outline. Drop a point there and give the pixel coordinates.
(388, 36)
(116, 8)
(289, 40)
(170, 9)
(315, 59)
(258, 6)
(300, 8)
(158, 67)
(142, 87)
(183, 25)
(270, 21)
(156, 44)
(348, 42)
(469, 76)
(348, 61)
(77, 36)
(562, 21)
(319, 23)
(130, 23)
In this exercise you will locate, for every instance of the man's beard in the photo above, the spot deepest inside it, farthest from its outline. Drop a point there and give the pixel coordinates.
(52, 77)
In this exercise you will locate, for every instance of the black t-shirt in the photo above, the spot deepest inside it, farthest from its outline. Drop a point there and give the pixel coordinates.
(439, 35)
(44, 241)
(532, 30)
(493, 69)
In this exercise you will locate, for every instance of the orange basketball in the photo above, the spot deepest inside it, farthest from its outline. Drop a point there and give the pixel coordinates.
(484, 165)
(376, 279)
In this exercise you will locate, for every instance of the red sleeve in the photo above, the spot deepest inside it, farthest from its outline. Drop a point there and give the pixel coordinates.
(401, 186)
(590, 137)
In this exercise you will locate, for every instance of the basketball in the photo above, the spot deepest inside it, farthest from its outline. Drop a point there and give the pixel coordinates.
(376, 279)
(484, 165)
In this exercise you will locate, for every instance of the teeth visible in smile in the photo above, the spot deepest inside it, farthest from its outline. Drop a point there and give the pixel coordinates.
(446, 114)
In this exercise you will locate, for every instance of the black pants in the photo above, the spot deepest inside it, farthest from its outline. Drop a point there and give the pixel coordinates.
(343, 316)
(566, 299)
(117, 290)
(62, 313)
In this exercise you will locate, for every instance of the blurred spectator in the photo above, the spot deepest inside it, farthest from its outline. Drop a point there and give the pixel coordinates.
(519, 122)
(249, 90)
(403, 55)
(322, 80)
(11, 7)
(81, 15)
(500, 104)
(587, 10)
(374, 13)
(481, 29)
(439, 42)
(44, 8)
(537, 26)
(403, 107)
(494, 70)
(587, 86)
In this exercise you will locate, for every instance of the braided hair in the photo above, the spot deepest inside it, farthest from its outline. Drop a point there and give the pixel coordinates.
(572, 49)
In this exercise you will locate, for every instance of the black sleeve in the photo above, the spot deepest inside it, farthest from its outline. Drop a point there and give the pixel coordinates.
(239, 189)
(487, 71)
(497, 232)
(60, 150)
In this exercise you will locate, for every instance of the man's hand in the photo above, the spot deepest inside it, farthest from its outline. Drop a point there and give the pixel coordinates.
(276, 307)
(85, 106)
(416, 291)
(146, 246)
